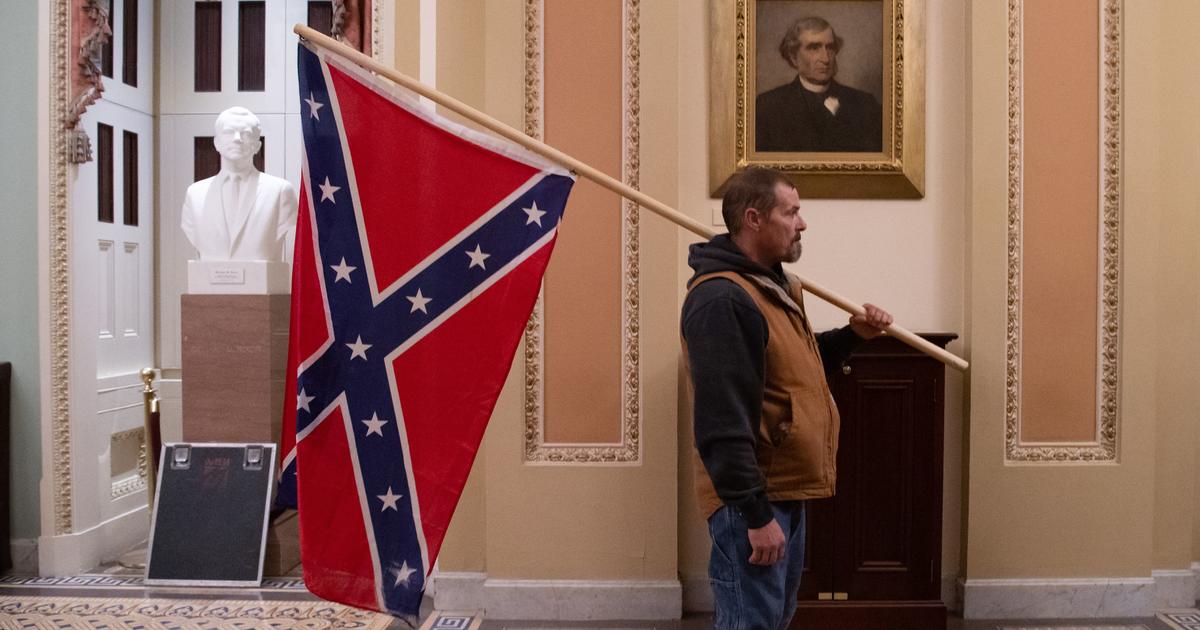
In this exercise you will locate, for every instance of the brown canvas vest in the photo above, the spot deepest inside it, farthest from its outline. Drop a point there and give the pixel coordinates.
(797, 439)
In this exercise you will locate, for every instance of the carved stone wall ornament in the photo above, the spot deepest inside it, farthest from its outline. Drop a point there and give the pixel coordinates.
(79, 146)
(352, 23)
(89, 33)
(1105, 448)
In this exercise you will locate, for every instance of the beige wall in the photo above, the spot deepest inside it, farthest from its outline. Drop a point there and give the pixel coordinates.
(1077, 520)
(1167, 134)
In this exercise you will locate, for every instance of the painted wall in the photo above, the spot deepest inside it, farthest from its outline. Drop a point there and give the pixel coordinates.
(18, 242)
(1129, 518)
(1167, 135)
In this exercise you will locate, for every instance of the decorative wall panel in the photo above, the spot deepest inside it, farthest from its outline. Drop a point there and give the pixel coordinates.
(106, 299)
(1064, 214)
(625, 445)
(130, 305)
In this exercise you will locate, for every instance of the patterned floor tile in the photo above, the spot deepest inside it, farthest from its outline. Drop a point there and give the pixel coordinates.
(1188, 619)
(447, 620)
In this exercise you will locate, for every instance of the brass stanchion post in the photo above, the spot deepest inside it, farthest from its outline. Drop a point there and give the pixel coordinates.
(147, 460)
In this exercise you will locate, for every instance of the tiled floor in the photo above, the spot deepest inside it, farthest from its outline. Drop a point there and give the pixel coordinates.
(114, 581)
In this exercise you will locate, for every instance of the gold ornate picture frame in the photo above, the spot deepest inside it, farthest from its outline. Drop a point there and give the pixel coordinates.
(896, 170)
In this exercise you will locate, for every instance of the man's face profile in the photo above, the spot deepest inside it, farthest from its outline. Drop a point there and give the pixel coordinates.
(816, 59)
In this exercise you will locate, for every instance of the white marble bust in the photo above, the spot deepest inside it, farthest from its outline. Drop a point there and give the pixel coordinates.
(240, 213)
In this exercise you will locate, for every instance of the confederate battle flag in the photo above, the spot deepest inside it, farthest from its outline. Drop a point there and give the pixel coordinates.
(420, 247)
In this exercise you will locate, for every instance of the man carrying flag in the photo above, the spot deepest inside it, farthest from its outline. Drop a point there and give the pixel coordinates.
(420, 248)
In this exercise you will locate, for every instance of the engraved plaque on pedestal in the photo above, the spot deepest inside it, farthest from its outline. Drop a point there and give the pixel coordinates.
(239, 276)
(234, 358)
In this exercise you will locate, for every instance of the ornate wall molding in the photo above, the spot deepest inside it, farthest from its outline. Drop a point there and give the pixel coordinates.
(89, 33)
(133, 483)
(1105, 447)
(377, 30)
(628, 450)
(59, 268)
(355, 23)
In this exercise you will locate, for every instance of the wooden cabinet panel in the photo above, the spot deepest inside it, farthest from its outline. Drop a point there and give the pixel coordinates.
(874, 549)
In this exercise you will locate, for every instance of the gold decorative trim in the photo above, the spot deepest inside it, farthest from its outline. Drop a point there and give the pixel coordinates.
(533, 128)
(628, 450)
(128, 486)
(1105, 447)
(59, 267)
(377, 29)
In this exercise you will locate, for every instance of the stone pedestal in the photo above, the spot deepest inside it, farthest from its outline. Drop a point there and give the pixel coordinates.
(234, 358)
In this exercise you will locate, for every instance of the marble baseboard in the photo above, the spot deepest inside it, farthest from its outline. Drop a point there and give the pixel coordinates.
(1174, 588)
(697, 592)
(565, 600)
(952, 592)
(1061, 598)
(72, 554)
(1196, 579)
(457, 590)
(24, 556)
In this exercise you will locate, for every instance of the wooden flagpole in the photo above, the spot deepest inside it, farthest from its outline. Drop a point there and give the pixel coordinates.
(597, 176)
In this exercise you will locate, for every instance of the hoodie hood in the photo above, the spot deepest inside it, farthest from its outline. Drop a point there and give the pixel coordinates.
(721, 254)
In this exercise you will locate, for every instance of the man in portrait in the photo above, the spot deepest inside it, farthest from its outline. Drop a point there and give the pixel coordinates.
(814, 112)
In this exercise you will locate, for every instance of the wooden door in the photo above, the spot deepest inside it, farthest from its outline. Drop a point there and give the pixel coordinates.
(888, 506)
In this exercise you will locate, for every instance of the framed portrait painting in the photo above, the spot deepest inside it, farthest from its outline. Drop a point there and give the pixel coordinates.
(831, 92)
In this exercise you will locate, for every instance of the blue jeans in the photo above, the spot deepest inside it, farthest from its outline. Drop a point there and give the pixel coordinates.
(753, 597)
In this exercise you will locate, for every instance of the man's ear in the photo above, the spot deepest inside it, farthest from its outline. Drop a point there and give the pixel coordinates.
(752, 218)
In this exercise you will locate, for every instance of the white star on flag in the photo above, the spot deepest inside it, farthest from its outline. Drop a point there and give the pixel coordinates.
(389, 500)
(302, 400)
(313, 106)
(403, 574)
(418, 302)
(358, 349)
(374, 424)
(535, 215)
(327, 191)
(477, 258)
(342, 270)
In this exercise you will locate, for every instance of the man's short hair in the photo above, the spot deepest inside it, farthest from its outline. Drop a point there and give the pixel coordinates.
(810, 24)
(751, 188)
